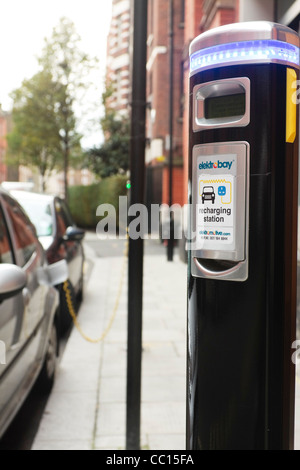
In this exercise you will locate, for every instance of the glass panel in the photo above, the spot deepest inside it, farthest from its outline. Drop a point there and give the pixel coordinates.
(41, 215)
(24, 232)
(6, 255)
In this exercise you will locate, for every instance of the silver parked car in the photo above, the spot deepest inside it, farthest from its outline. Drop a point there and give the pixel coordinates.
(61, 239)
(29, 306)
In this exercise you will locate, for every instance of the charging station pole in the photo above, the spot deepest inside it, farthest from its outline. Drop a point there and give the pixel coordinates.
(242, 264)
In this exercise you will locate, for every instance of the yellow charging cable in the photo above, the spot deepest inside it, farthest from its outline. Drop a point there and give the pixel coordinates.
(72, 312)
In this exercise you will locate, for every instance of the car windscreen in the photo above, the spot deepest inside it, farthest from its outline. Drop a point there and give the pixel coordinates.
(40, 215)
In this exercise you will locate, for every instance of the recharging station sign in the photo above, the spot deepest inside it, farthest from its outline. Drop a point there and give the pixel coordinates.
(216, 201)
(219, 200)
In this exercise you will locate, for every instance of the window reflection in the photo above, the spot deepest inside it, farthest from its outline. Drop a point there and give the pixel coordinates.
(23, 231)
(5, 248)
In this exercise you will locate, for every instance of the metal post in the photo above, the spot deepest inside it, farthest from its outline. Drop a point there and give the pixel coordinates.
(170, 248)
(136, 247)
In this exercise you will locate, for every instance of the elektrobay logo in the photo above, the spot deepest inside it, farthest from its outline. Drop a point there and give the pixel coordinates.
(215, 165)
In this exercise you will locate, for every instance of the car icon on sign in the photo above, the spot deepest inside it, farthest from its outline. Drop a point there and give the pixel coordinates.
(208, 194)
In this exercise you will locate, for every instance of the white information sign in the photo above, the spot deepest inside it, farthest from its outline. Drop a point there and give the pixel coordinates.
(216, 201)
(216, 209)
(220, 198)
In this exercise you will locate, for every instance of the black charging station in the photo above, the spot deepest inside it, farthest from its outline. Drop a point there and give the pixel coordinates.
(242, 263)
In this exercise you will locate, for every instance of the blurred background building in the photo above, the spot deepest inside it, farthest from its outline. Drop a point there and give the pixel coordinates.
(191, 18)
(118, 56)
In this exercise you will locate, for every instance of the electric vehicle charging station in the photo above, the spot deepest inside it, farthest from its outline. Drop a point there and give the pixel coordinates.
(242, 258)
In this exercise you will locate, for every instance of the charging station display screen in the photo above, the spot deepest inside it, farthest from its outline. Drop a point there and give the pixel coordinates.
(225, 106)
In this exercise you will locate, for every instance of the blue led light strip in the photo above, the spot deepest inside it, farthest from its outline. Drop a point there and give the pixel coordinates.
(265, 51)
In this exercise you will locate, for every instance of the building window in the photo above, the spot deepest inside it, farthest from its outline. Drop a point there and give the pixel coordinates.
(119, 32)
(208, 5)
(118, 85)
(282, 6)
(181, 108)
(151, 16)
(182, 13)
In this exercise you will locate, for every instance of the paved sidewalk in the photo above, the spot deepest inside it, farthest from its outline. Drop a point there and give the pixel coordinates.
(87, 407)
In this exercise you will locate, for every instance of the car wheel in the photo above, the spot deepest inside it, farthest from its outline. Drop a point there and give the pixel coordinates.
(48, 372)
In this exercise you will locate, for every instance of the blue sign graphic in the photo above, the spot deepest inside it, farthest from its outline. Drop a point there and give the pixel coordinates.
(222, 190)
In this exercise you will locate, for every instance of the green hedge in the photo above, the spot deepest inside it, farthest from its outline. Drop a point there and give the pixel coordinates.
(84, 200)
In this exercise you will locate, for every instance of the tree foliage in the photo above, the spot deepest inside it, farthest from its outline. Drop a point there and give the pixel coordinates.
(35, 138)
(112, 157)
(45, 127)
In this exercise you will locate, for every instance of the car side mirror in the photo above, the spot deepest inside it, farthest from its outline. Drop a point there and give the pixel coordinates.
(12, 281)
(74, 234)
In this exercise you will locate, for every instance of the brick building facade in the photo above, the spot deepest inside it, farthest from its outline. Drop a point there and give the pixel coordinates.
(158, 93)
(118, 56)
(201, 15)
(191, 18)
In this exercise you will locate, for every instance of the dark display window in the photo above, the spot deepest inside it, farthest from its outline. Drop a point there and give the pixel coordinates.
(225, 106)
